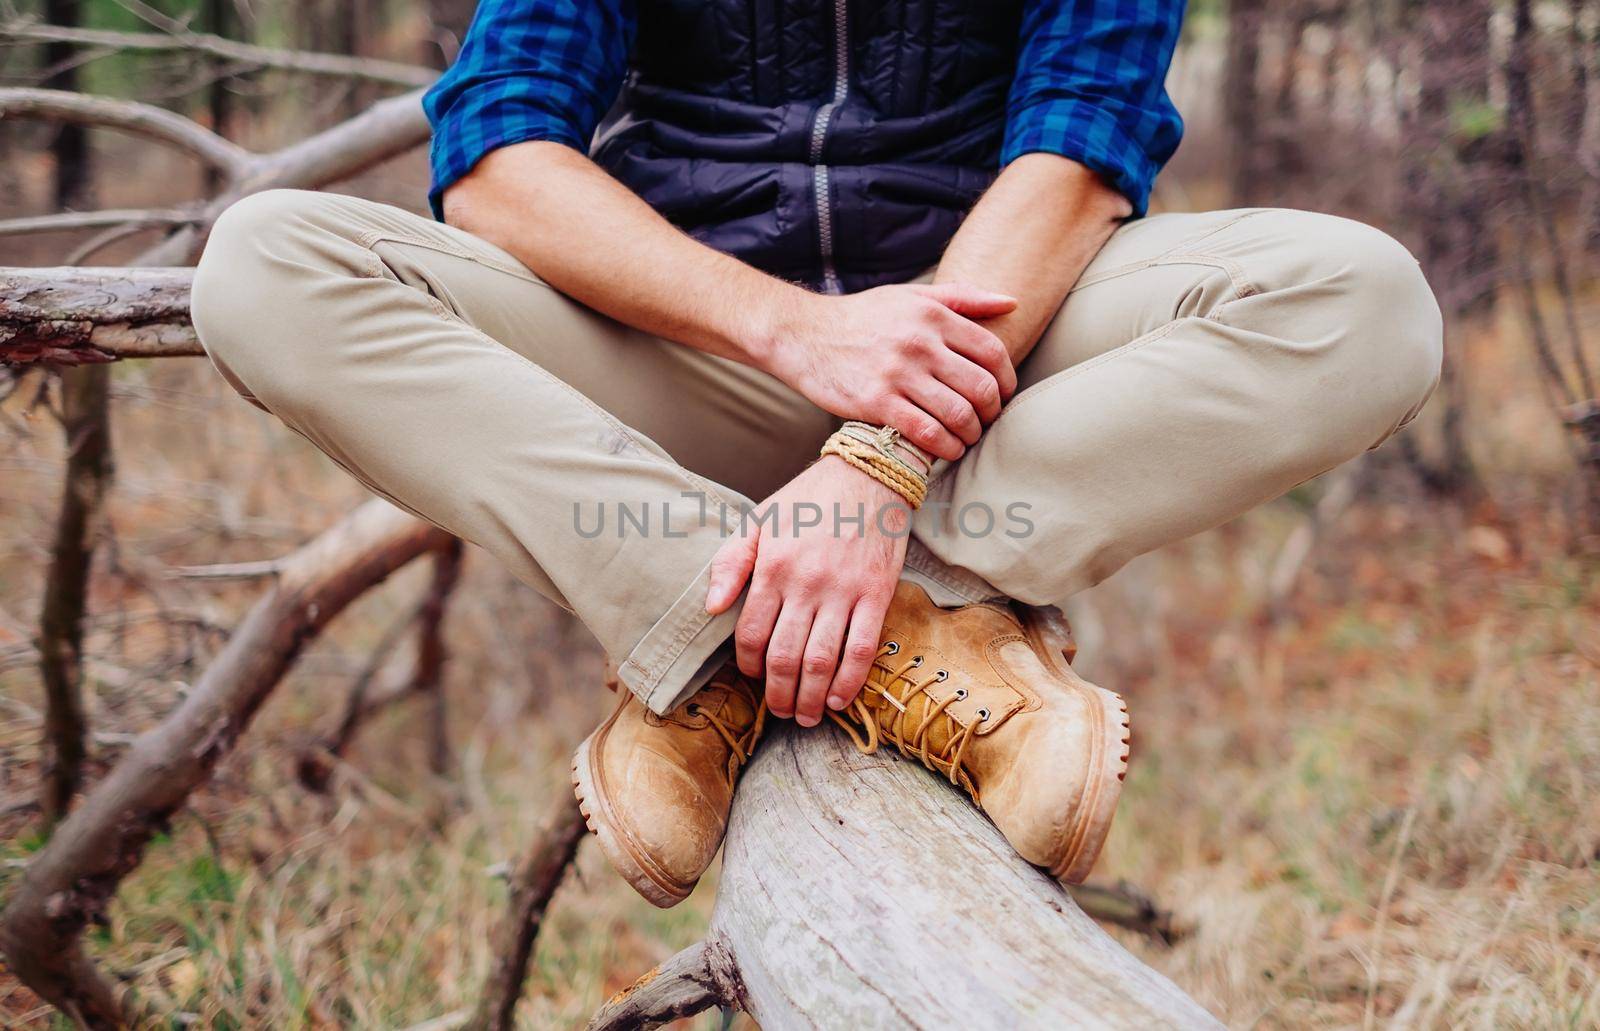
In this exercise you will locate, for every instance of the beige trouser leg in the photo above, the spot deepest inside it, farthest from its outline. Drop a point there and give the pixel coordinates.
(1202, 365)
(448, 378)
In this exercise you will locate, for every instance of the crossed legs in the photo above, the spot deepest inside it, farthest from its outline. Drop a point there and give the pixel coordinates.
(1204, 364)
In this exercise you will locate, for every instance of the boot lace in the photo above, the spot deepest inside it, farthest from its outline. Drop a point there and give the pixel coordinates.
(898, 687)
(741, 744)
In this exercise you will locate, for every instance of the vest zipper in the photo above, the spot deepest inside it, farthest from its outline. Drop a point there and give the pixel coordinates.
(819, 136)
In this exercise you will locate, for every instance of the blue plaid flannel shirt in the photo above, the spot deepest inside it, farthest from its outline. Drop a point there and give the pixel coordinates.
(1089, 84)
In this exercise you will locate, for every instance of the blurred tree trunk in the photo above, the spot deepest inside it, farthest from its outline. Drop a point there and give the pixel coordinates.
(1284, 156)
(1568, 377)
(220, 19)
(351, 30)
(1586, 138)
(1240, 109)
(1446, 134)
(71, 146)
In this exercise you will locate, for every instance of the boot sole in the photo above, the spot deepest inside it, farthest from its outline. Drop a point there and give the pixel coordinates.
(657, 890)
(1108, 768)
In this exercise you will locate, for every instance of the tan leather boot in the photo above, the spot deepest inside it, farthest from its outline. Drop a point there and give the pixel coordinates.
(987, 699)
(656, 790)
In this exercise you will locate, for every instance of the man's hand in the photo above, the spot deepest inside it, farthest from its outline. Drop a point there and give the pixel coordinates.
(906, 356)
(817, 591)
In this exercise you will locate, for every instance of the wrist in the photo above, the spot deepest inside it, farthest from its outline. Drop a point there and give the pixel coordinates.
(885, 510)
(775, 324)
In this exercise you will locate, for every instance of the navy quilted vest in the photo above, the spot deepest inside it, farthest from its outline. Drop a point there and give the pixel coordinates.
(837, 143)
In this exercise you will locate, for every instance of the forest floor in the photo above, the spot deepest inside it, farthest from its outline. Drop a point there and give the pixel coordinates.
(1375, 800)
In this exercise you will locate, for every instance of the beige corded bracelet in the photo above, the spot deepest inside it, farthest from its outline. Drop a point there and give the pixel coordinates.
(881, 453)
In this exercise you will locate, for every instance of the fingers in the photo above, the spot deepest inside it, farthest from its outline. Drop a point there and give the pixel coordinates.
(860, 648)
(970, 301)
(923, 430)
(972, 382)
(819, 663)
(730, 568)
(949, 407)
(784, 653)
(978, 344)
(754, 629)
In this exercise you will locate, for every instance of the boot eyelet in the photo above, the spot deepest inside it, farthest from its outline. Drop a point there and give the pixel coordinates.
(693, 709)
(983, 714)
(894, 647)
(944, 675)
(916, 660)
(961, 694)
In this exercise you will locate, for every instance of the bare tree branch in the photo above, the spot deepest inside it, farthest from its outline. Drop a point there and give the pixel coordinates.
(535, 880)
(101, 240)
(424, 677)
(1126, 906)
(432, 655)
(316, 762)
(387, 128)
(79, 522)
(391, 73)
(69, 221)
(690, 982)
(228, 570)
(127, 116)
(81, 316)
(78, 316)
(70, 881)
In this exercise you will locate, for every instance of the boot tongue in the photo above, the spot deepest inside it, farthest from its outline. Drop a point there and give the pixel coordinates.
(731, 696)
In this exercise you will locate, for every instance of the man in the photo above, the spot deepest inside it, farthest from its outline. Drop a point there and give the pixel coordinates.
(681, 240)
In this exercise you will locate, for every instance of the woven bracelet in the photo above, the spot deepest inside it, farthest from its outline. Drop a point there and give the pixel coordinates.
(880, 464)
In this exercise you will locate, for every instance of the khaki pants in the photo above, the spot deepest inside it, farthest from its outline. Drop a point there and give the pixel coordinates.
(1203, 364)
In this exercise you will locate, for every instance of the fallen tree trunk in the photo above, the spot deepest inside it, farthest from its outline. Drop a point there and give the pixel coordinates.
(69, 883)
(858, 891)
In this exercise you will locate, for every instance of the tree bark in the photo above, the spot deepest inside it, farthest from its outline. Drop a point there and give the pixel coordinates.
(859, 891)
(82, 316)
(68, 884)
(694, 980)
(532, 884)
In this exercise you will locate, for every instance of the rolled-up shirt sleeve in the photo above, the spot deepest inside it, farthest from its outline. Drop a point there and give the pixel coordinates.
(528, 70)
(1091, 86)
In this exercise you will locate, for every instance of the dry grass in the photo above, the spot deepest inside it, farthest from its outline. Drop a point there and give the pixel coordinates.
(1387, 812)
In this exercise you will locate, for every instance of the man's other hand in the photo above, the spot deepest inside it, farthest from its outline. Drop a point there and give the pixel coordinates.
(818, 592)
(908, 356)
